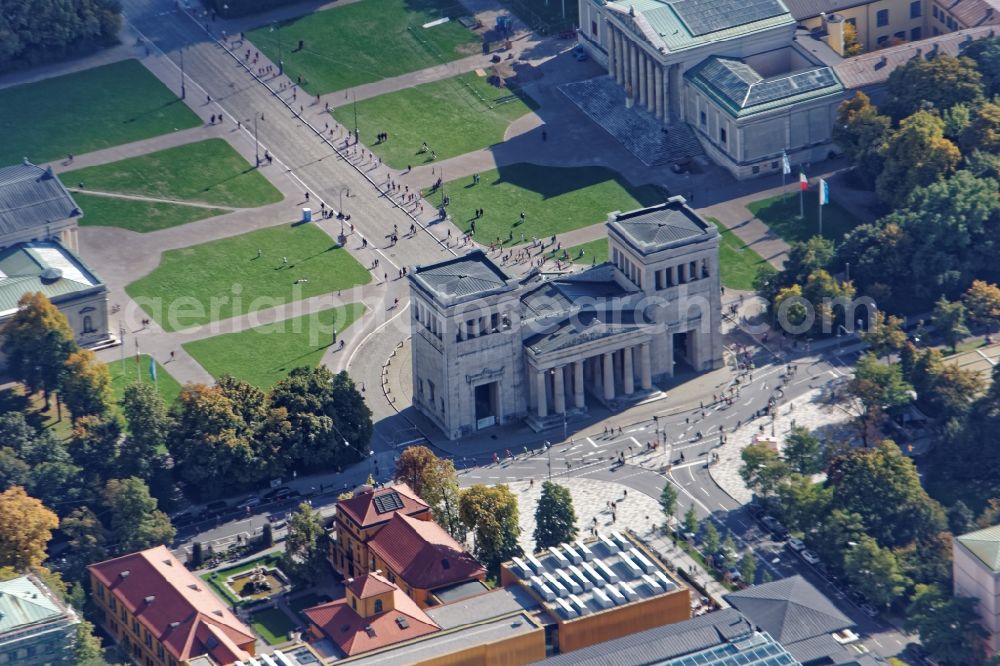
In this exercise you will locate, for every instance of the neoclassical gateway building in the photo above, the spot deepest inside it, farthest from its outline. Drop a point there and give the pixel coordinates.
(491, 349)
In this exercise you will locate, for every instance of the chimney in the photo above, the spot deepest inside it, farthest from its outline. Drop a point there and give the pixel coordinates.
(124, 574)
(150, 599)
(834, 25)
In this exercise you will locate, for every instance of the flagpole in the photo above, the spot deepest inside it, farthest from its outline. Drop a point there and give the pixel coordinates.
(802, 204)
(821, 210)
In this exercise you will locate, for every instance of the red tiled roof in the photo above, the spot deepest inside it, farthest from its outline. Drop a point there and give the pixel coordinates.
(363, 508)
(423, 554)
(369, 585)
(972, 13)
(356, 634)
(204, 625)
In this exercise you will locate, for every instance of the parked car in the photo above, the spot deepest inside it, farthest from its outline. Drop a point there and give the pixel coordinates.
(809, 557)
(250, 502)
(279, 494)
(869, 610)
(183, 518)
(216, 508)
(580, 53)
(774, 527)
(796, 544)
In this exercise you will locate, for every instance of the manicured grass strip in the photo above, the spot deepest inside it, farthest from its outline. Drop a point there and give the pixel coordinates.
(553, 199)
(272, 624)
(127, 372)
(138, 216)
(207, 171)
(453, 116)
(738, 262)
(225, 278)
(85, 111)
(781, 214)
(594, 252)
(366, 41)
(217, 579)
(265, 354)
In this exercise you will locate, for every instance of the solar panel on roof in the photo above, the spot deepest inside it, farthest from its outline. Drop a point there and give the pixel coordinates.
(390, 501)
(701, 17)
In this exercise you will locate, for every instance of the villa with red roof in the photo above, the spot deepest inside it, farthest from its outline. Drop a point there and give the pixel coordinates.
(374, 614)
(391, 530)
(162, 615)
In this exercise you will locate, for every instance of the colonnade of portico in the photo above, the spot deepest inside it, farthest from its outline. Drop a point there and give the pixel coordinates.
(632, 66)
(567, 380)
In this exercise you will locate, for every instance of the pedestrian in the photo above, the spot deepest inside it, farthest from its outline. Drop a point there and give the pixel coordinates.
(172, 354)
(307, 196)
(545, 135)
(258, 253)
(284, 261)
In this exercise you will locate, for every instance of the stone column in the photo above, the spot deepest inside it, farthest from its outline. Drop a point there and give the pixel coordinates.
(543, 410)
(609, 375)
(578, 399)
(612, 56)
(645, 366)
(559, 390)
(666, 92)
(658, 95)
(634, 62)
(629, 371)
(620, 46)
(651, 68)
(643, 78)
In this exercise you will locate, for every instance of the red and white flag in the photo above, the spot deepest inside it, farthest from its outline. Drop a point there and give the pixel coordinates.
(803, 181)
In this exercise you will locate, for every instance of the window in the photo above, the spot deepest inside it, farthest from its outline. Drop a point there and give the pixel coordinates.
(135, 627)
(755, 170)
(378, 605)
(704, 119)
(354, 603)
(149, 641)
(113, 604)
(774, 164)
(88, 324)
(901, 35)
(124, 616)
(593, 28)
(934, 11)
(916, 9)
(853, 22)
(936, 32)
(100, 592)
(882, 18)
(882, 40)
(916, 34)
(159, 652)
(722, 135)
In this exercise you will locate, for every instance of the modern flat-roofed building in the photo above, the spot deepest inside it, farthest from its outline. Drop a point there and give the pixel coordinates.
(36, 627)
(162, 615)
(975, 571)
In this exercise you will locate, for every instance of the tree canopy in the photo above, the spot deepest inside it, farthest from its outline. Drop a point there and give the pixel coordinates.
(939, 82)
(555, 518)
(491, 514)
(36, 31)
(25, 529)
(37, 340)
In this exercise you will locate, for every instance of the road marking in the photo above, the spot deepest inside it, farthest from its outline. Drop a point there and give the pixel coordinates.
(591, 442)
(748, 402)
(876, 642)
(722, 507)
(704, 491)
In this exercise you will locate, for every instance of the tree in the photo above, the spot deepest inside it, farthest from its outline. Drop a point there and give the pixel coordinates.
(875, 391)
(267, 536)
(25, 529)
(87, 649)
(961, 520)
(198, 553)
(885, 334)
(435, 481)
(802, 451)
(711, 537)
(37, 341)
(690, 520)
(986, 54)
(874, 572)
(135, 521)
(86, 385)
(917, 154)
(555, 519)
(937, 83)
(862, 133)
(729, 549)
(304, 541)
(949, 319)
(37, 31)
(668, 501)
(149, 427)
(85, 535)
(748, 567)
(982, 301)
(491, 514)
(983, 132)
(94, 447)
(852, 46)
(803, 502)
(949, 626)
(763, 469)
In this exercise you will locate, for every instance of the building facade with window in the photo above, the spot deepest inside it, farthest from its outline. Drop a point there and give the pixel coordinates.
(490, 349)
(38, 245)
(36, 627)
(160, 614)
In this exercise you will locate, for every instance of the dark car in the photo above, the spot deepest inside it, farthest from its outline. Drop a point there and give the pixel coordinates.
(183, 518)
(774, 527)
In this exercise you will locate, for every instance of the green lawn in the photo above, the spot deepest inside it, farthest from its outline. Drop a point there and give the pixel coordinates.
(85, 111)
(207, 171)
(453, 116)
(781, 212)
(737, 261)
(554, 200)
(366, 41)
(225, 278)
(265, 354)
(124, 373)
(272, 624)
(140, 216)
(594, 252)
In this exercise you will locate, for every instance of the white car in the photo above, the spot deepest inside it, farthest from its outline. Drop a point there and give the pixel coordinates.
(809, 557)
(796, 544)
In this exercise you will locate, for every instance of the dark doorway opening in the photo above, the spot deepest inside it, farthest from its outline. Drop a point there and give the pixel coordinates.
(486, 405)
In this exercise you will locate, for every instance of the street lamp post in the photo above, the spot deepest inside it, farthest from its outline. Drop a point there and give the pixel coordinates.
(340, 213)
(256, 143)
(183, 89)
(276, 28)
(356, 137)
(548, 448)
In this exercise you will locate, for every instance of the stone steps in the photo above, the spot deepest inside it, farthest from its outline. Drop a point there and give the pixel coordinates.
(638, 130)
